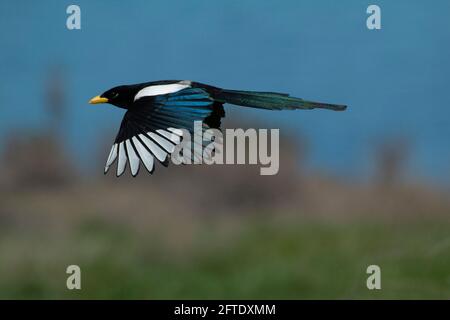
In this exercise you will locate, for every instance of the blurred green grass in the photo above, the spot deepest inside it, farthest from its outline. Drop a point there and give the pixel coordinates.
(263, 260)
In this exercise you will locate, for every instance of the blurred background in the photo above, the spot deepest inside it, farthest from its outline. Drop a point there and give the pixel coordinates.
(370, 185)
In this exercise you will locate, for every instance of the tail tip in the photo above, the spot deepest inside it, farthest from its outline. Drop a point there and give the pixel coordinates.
(334, 107)
(341, 107)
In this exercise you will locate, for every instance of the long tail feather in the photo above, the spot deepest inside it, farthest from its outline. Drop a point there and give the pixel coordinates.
(271, 101)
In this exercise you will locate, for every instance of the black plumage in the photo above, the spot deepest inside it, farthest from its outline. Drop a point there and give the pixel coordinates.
(158, 111)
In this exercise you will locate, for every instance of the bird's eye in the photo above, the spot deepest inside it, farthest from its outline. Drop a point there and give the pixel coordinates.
(114, 95)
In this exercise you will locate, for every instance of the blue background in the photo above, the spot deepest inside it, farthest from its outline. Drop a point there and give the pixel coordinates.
(394, 80)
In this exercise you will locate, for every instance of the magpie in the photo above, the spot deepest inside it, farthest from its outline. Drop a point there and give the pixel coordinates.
(158, 111)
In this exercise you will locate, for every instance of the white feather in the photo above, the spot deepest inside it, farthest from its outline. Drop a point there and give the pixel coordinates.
(122, 160)
(178, 132)
(159, 153)
(162, 142)
(133, 158)
(160, 89)
(112, 156)
(145, 156)
(171, 136)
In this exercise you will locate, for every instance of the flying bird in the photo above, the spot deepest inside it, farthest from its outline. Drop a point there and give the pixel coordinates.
(158, 111)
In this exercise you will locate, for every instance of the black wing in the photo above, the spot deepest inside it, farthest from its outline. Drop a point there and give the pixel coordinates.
(152, 127)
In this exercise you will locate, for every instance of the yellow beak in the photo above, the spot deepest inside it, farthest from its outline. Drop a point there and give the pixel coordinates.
(98, 99)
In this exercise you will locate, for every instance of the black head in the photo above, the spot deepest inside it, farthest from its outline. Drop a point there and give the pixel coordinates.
(121, 96)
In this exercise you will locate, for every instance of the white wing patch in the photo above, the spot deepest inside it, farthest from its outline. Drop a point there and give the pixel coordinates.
(145, 147)
(142, 148)
(161, 89)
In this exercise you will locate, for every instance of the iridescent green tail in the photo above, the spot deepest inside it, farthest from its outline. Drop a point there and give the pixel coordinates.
(271, 101)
